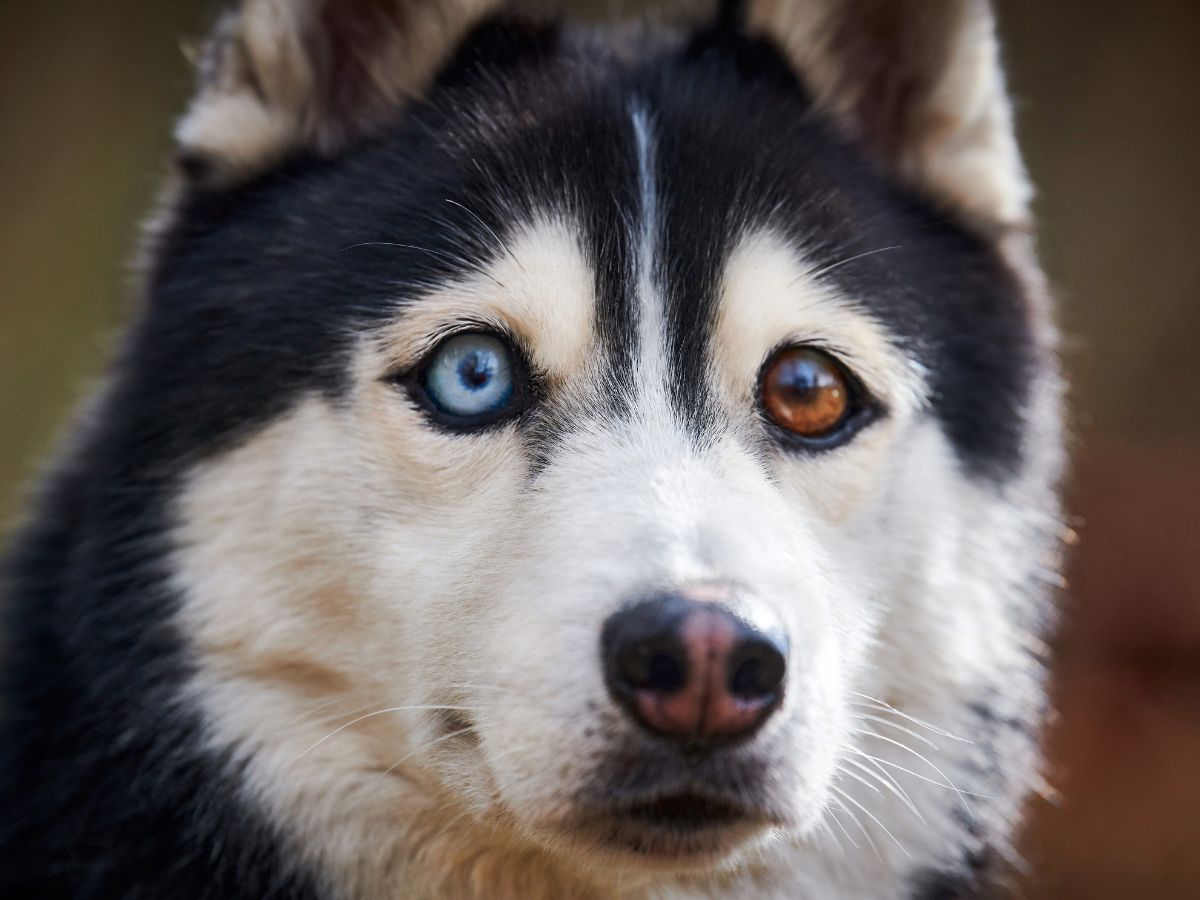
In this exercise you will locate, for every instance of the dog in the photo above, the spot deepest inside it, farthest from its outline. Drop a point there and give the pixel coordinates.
(555, 461)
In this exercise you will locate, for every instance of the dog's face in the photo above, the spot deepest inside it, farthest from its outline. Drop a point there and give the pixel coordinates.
(590, 457)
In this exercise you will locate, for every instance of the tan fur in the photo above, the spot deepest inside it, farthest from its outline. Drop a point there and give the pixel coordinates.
(919, 81)
(541, 290)
(283, 74)
(769, 299)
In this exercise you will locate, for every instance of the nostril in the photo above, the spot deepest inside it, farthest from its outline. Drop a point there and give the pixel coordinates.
(757, 670)
(643, 650)
(666, 675)
(653, 665)
(747, 679)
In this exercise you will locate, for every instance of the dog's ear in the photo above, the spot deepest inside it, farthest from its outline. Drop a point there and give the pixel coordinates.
(284, 74)
(918, 82)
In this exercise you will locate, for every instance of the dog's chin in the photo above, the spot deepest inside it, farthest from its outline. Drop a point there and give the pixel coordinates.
(686, 831)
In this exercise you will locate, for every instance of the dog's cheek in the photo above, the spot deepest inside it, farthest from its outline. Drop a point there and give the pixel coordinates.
(272, 564)
(317, 562)
(947, 550)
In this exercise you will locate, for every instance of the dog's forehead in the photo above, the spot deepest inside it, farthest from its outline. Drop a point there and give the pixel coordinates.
(660, 172)
(629, 184)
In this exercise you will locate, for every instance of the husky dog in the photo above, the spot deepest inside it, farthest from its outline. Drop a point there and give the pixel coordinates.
(555, 462)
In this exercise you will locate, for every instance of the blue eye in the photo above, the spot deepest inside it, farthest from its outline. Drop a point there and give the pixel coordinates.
(471, 378)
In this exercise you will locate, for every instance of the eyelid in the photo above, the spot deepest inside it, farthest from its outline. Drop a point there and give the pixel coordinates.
(416, 355)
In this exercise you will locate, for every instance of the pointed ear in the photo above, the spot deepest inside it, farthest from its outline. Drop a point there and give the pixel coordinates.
(283, 74)
(919, 84)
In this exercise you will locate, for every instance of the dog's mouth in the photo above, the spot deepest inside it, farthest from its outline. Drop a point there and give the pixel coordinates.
(688, 829)
(675, 811)
(686, 812)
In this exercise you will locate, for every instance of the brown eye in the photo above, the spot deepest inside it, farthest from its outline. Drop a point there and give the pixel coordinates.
(806, 392)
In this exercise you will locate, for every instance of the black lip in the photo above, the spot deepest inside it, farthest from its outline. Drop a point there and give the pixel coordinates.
(686, 812)
(686, 828)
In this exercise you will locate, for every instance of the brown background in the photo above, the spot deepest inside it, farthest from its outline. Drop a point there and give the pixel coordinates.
(1108, 110)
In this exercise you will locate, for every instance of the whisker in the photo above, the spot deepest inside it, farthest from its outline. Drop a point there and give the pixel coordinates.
(330, 717)
(843, 262)
(423, 748)
(890, 783)
(838, 822)
(370, 715)
(884, 706)
(858, 778)
(898, 726)
(872, 817)
(312, 711)
(919, 776)
(857, 824)
(823, 824)
(941, 732)
(867, 732)
(495, 236)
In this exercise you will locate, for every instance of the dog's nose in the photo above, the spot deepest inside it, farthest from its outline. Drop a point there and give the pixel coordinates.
(693, 668)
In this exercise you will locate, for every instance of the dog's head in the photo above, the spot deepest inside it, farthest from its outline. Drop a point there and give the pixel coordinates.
(601, 443)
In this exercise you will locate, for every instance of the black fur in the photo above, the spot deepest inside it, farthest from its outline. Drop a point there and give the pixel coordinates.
(945, 886)
(255, 296)
(975, 880)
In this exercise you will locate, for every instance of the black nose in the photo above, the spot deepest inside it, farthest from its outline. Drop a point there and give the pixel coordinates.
(687, 667)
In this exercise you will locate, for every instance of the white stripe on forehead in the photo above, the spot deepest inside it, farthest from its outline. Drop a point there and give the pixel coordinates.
(652, 362)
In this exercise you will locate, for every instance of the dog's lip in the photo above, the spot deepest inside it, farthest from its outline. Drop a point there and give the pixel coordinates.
(686, 810)
(687, 827)
(680, 824)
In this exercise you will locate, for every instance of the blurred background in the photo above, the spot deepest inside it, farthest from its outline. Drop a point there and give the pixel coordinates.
(1110, 118)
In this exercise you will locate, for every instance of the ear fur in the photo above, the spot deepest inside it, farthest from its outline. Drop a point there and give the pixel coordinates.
(283, 74)
(919, 84)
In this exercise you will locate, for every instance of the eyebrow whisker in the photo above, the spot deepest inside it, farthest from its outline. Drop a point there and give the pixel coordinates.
(500, 242)
(825, 270)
